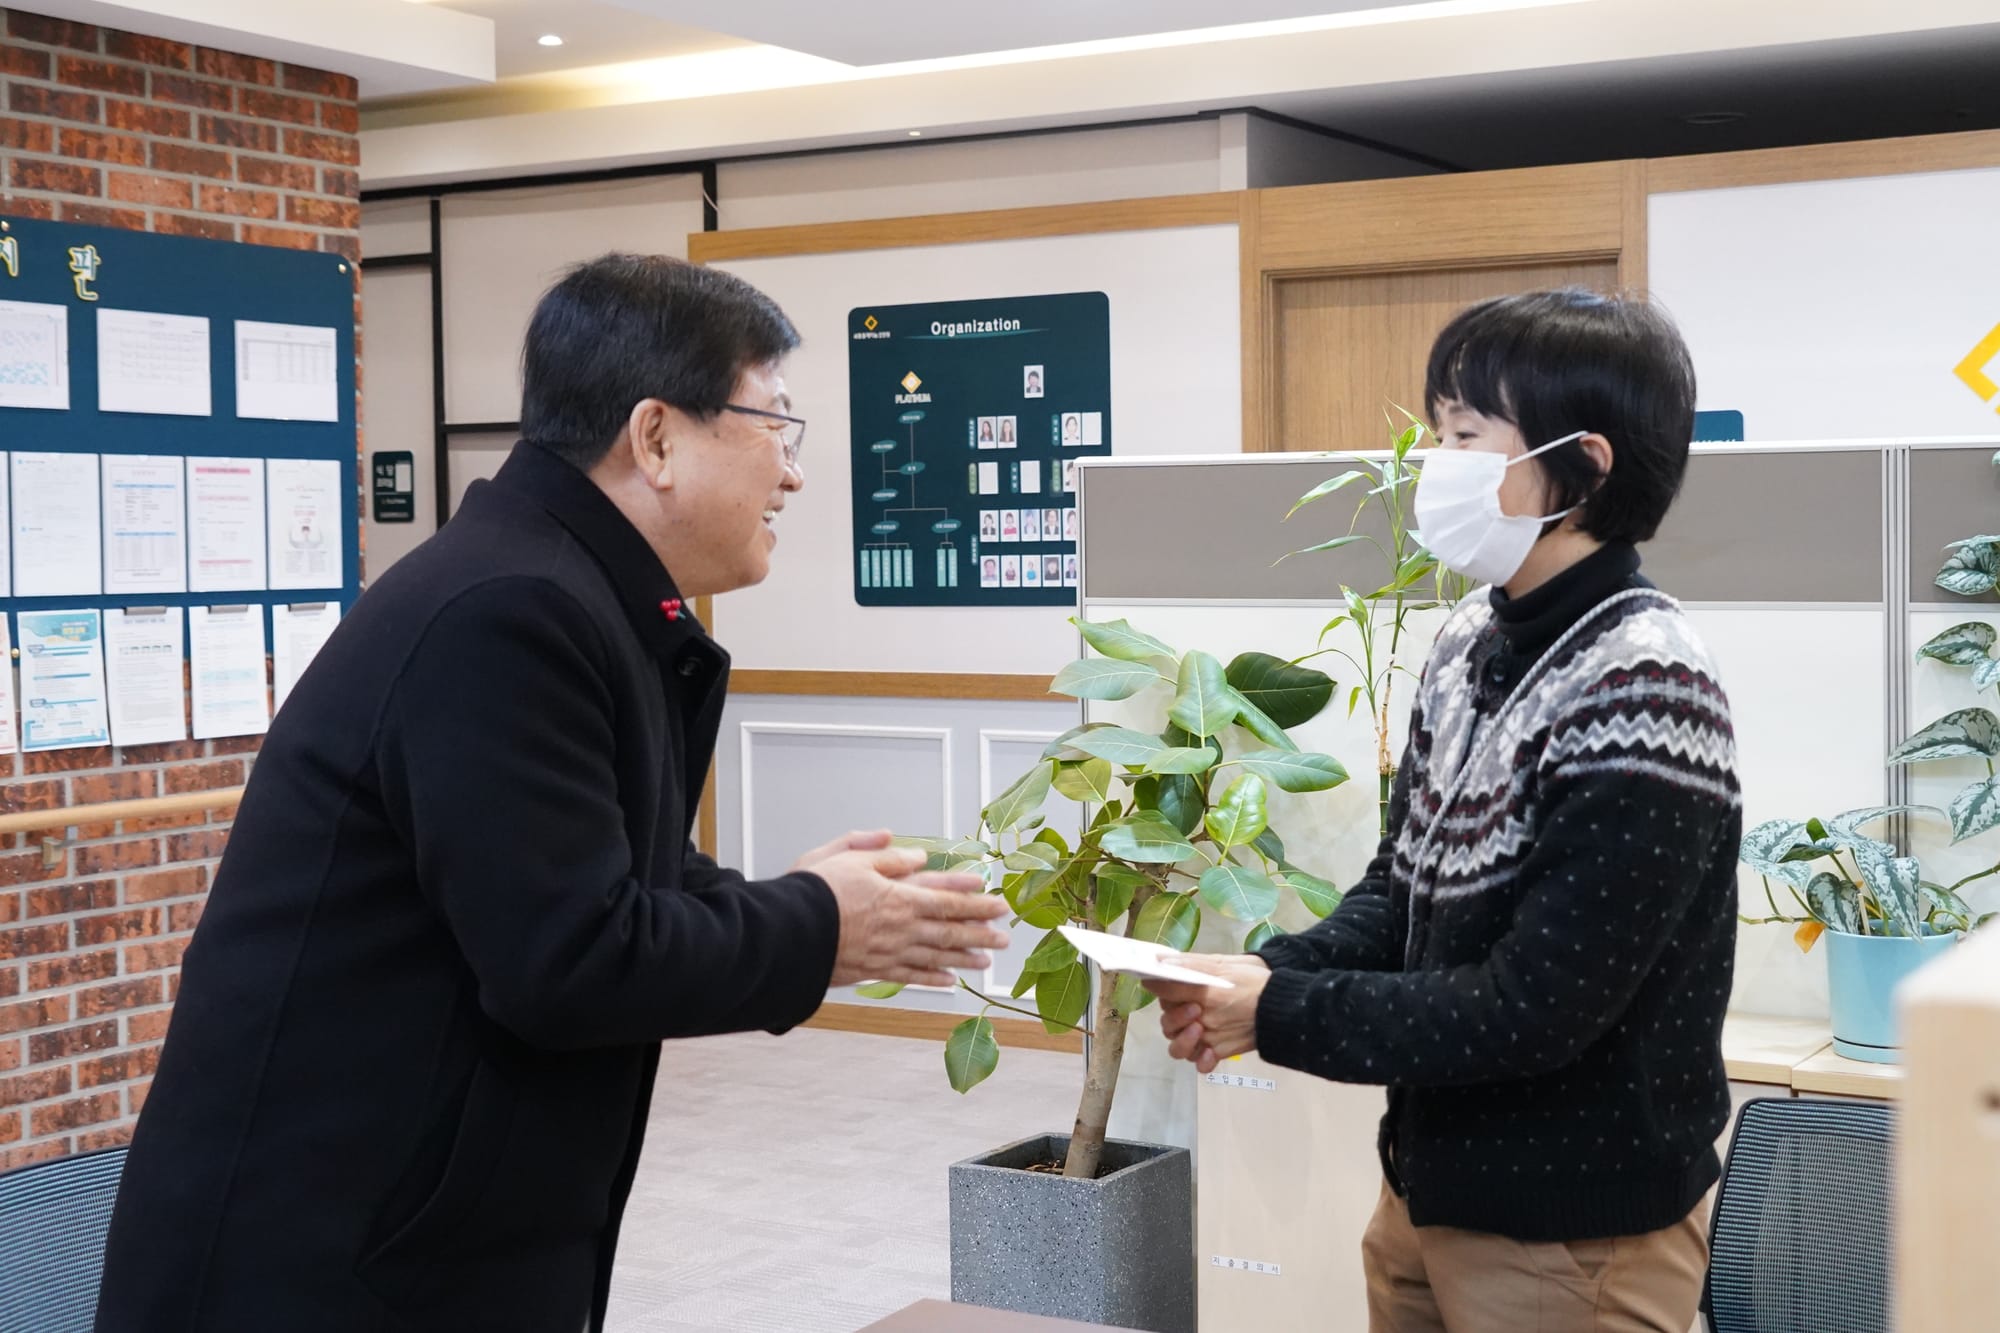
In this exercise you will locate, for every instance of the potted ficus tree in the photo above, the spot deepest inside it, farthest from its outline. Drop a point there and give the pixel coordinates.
(1881, 917)
(1174, 820)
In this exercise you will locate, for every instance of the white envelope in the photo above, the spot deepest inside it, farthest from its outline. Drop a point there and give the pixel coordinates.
(1141, 958)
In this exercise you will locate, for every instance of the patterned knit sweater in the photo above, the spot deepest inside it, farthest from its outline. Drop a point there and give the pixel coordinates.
(1537, 962)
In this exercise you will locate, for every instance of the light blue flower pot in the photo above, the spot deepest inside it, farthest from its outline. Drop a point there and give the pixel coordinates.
(1862, 973)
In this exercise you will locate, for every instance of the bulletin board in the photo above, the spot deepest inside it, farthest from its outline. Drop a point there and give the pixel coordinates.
(966, 421)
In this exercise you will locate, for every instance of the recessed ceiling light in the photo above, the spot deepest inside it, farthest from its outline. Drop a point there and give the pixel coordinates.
(1715, 117)
(916, 134)
(548, 39)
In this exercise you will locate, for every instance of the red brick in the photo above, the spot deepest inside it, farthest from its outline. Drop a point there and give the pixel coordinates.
(10, 910)
(173, 987)
(115, 1137)
(185, 916)
(66, 761)
(72, 969)
(37, 1086)
(341, 150)
(49, 1047)
(127, 785)
(38, 1013)
(101, 76)
(238, 203)
(96, 215)
(10, 1054)
(275, 172)
(10, 1126)
(44, 209)
(204, 777)
(321, 83)
(115, 926)
(115, 856)
(183, 91)
(154, 957)
(15, 1158)
(10, 982)
(27, 99)
(35, 136)
(229, 132)
(205, 845)
(27, 868)
(22, 62)
(56, 178)
(183, 883)
(165, 191)
(149, 50)
(51, 32)
(340, 117)
(16, 797)
(186, 160)
(145, 118)
(122, 1067)
(146, 1027)
(236, 745)
(136, 993)
(276, 106)
(97, 832)
(75, 1114)
(97, 146)
(340, 183)
(61, 899)
(135, 1097)
(180, 224)
(30, 941)
(167, 752)
(237, 68)
(283, 237)
(348, 247)
(339, 214)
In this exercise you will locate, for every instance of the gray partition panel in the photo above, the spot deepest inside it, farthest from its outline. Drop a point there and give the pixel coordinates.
(1954, 493)
(1802, 526)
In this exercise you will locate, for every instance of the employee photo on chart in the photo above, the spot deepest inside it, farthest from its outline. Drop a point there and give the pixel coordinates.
(1031, 381)
(1006, 432)
(1072, 428)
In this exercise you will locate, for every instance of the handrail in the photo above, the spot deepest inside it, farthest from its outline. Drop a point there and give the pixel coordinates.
(106, 812)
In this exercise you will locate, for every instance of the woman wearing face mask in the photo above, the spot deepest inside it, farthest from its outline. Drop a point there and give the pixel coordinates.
(1537, 962)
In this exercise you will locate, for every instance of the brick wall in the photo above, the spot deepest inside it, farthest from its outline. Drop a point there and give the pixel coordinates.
(119, 130)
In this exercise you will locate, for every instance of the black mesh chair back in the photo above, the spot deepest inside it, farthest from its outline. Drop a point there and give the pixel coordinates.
(53, 1220)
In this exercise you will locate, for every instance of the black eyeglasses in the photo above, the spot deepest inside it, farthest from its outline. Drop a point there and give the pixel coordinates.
(791, 433)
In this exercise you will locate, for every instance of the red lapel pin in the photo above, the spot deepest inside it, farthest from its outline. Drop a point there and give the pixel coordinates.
(672, 608)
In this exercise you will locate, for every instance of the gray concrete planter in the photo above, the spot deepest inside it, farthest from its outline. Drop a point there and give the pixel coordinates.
(1118, 1250)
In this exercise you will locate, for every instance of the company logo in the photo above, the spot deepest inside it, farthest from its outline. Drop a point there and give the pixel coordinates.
(911, 384)
(869, 323)
(1973, 369)
(870, 330)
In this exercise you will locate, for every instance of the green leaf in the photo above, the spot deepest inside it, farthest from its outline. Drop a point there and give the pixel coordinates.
(1962, 645)
(970, 1054)
(1025, 983)
(879, 990)
(1020, 800)
(1031, 856)
(1975, 810)
(1179, 802)
(1986, 674)
(1129, 994)
(1060, 747)
(1764, 848)
(1940, 901)
(1060, 996)
(1260, 934)
(1026, 888)
(1204, 703)
(1270, 845)
(1892, 881)
(1118, 639)
(1333, 545)
(1182, 760)
(1088, 781)
(1052, 954)
(1247, 895)
(1116, 886)
(1849, 823)
(1972, 568)
(1970, 731)
(1319, 896)
(1147, 839)
(1353, 698)
(1121, 745)
(1172, 919)
(1096, 678)
(1241, 815)
(1288, 694)
(1299, 772)
(1259, 724)
(1325, 489)
(1836, 902)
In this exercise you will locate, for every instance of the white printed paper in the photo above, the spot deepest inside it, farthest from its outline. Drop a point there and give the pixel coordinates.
(286, 372)
(226, 671)
(143, 654)
(62, 680)
(9, 741)
(56, 545)
(6, 524)
(148, 362)
(304, 522)
(1093, 428)
(1115, 953)
(1031, 476)
(297, 635)
(34, 355)
(225, 498)
(145, 524)
(989, 479)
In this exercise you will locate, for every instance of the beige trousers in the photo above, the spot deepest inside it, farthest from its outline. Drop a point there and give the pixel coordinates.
(1442, 1280)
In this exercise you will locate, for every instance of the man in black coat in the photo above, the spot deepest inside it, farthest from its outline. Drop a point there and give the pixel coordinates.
(413, 1052)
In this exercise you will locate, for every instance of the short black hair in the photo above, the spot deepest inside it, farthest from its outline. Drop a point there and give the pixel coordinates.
(1553, 362)
(623, 328)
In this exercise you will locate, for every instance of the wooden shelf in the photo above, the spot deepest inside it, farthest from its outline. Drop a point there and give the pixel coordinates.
(1830, 1074)
(1761, 1049)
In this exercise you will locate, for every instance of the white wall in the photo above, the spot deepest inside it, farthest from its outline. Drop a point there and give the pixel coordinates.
(1175, 389)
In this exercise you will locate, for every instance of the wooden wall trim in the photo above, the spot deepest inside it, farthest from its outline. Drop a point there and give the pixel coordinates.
(1632, 270)
(1006, 224)
(1834, 161)
(892, 685)
(884, 1020)
(1255, 330)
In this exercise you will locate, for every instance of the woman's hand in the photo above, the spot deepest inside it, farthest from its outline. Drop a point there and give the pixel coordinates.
(1207, 1024)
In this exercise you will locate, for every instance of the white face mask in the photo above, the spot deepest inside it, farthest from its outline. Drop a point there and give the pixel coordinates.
(1458, 512)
